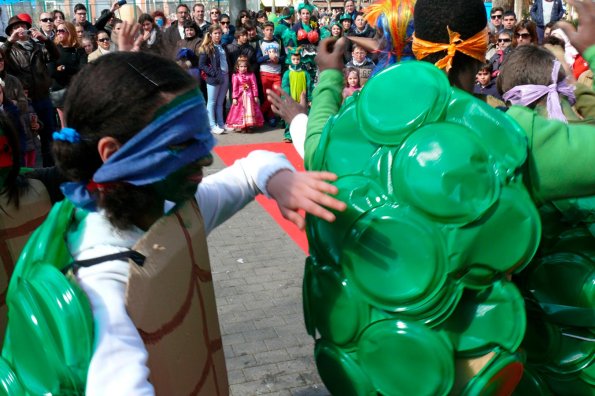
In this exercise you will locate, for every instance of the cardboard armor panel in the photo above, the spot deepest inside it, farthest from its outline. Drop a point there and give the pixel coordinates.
(172, 302)
(15, 228)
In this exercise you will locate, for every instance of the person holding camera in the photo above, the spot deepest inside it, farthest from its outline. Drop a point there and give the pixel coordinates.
(27, 53)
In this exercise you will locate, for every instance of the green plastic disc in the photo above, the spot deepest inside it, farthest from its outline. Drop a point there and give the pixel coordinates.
(340, 373)
(306, 303)
(361, 194)
(343, 148)
(569, 385)
(406, 358)
(576, 351)
(36, 359)
(68, 315)
(483, 319)
(505, 138)
(387, 118)
(531, 384)
(564, 279)
(395, 258)
(492, 250)
(335, 308)
(9, 383)
(498, 378)
(444, 170)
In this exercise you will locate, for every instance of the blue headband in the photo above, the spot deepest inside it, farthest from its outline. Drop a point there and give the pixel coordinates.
(180, 135)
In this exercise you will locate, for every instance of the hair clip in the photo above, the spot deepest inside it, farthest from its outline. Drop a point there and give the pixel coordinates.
(67, 135)
(143, 74)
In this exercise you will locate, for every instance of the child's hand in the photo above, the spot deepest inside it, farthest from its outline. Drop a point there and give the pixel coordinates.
(234, 102)
(304, 190)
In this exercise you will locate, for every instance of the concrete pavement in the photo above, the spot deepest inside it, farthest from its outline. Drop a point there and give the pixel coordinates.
(257, 273)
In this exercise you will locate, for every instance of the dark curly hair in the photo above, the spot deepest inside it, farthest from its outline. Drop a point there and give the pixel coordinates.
(466, 17)
(119, 110)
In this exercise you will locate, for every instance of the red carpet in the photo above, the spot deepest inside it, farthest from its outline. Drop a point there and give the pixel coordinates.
(231, 153)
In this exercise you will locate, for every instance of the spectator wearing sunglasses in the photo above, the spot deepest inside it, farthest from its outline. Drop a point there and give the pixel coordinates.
(544, 12)
(525, 33)
(228, 30)
(215, 15)
(496, 15)
(103, 46)
(46, 25)
(503, 48)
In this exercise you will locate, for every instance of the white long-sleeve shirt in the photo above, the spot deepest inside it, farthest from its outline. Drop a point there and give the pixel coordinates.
(119, 362)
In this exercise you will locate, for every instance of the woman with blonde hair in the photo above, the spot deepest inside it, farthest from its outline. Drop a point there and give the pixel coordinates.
(72, 58)
(212, 62)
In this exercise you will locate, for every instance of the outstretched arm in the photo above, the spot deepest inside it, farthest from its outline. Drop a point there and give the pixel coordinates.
(327, 96)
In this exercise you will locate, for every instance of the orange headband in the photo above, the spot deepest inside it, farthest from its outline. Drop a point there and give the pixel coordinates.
(474, 46)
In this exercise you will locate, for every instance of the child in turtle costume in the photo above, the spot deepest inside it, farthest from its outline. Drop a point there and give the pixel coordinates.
(410, 291)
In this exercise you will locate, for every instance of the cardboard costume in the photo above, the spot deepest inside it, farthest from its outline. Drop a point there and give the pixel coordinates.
(178, 324)
(16, 225)
(172, 303)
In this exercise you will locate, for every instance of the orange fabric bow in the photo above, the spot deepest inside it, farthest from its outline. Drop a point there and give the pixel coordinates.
(475, 47)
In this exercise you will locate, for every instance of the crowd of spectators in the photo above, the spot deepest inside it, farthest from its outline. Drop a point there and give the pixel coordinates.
(44, 55)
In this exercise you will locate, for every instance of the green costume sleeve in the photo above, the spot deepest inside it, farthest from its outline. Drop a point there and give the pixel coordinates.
(285, 82)
(326, 101)
(561, 159)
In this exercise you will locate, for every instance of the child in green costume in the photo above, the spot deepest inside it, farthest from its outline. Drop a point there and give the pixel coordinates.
(553, 159)
(296, 81)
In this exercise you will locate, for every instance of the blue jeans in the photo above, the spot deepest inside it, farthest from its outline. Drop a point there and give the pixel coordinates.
(216, 96)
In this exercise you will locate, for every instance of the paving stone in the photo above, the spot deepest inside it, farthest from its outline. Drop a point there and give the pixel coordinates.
(267, 349)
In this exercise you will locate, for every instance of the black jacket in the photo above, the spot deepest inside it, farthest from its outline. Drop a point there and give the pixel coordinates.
(73, 59)
(30, 66)
(211, 65)
(234, 51)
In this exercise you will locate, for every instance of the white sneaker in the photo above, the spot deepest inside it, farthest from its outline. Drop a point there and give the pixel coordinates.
(227, 128)
(217, 131)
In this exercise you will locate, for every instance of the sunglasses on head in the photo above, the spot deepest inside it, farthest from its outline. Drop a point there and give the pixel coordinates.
(504, 40)
(523, 35)
(61, 31)
(103, 40)
(46, 20)
(498, 16)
